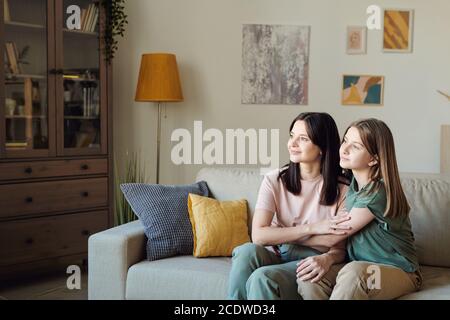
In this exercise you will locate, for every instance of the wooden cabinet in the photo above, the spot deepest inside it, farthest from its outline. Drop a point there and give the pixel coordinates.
(55, 131)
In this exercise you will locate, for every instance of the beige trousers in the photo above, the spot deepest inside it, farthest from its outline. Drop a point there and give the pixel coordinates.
(360, 280)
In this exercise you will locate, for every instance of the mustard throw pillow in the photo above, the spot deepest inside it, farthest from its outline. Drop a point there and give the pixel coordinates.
(218, 226)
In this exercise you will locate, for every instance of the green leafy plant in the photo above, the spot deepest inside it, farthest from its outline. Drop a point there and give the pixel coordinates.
(114, 26)
(134, 172)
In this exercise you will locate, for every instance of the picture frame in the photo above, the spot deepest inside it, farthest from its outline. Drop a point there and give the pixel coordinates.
(398, 26)
(265, 80)
(362, 90)
(356, 40)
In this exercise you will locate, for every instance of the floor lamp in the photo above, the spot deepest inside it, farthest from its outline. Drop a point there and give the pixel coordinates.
(159, 81)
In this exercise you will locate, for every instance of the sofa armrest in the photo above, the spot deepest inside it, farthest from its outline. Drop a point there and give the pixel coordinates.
(111, 253)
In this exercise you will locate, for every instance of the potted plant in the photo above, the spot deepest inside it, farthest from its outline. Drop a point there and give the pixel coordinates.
(134, 172)
(114, 25)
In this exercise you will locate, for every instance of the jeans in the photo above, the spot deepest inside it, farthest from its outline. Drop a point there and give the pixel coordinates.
(260, 274)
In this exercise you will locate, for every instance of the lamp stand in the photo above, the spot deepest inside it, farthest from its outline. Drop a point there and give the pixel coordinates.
(158, 140)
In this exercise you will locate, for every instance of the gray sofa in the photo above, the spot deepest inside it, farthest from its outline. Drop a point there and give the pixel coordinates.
(118, 268)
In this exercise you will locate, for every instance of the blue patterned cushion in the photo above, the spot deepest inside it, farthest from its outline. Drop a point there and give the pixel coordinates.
(163, 210)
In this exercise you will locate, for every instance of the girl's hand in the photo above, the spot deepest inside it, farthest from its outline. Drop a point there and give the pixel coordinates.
(314, 267)
(334, 225)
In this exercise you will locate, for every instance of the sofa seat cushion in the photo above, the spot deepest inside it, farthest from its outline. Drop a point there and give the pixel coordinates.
(189, 278)
(179, 278)
(436, 285)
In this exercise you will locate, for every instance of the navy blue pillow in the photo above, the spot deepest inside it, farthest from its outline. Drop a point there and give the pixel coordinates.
(163, 210)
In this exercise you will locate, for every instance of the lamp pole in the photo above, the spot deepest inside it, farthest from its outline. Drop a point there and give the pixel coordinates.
(158, 140)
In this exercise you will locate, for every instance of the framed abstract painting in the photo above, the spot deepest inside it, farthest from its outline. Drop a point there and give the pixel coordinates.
(364, 90)
(398, 30)
(275, 64)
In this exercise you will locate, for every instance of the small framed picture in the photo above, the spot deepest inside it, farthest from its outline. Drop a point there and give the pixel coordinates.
(362, 90)
(356, 40)
(398, 30)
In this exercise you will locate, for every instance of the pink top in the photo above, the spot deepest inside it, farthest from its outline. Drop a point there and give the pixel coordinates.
(291, 210)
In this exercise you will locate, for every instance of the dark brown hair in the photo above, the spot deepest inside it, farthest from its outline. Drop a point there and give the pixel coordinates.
(323, 132)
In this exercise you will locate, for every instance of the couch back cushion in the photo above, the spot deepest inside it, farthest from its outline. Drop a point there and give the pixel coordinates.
(233, 184)
(428, 196)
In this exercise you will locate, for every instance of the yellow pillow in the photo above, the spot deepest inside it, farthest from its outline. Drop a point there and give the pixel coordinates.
(218, 226)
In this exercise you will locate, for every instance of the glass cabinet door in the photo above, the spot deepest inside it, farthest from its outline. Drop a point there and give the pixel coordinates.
(81, 94)
(26, 108)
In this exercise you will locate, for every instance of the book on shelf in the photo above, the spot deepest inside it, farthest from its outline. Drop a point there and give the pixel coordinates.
(94, 23)
(83, 18)
(6, 13)
(16, 144)
(16, 56)
(28, 96)
(89, 18)
(13, 59)
(90, 102)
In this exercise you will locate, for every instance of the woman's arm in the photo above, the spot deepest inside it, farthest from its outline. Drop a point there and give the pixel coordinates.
(265, 234)
(360, 217)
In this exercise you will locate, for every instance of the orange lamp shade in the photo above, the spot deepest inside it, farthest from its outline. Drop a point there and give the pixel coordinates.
(159, 79)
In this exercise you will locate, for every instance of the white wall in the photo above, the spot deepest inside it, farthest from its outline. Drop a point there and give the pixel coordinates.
(206, 36)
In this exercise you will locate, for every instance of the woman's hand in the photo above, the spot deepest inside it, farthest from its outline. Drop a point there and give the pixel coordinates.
(314, 267)
(334, 225)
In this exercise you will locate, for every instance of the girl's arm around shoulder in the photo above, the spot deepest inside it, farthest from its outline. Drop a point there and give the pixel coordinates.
(359, 218)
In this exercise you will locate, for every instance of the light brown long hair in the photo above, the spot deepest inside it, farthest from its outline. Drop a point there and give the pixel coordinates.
(379, 142)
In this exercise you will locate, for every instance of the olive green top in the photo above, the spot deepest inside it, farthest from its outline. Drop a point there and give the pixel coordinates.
(384, 240)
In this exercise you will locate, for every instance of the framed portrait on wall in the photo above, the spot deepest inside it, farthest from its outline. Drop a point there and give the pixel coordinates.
(356, 42)
(398, 30)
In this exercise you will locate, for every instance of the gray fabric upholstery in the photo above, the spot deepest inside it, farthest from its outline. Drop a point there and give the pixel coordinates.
(118, 270)
(231, 184)
(110, 254)
(201, 279)
(181, 277)
(429, 198)
(436, 285)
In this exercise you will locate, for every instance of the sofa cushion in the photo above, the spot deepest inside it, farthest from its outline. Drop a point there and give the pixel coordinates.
(218, 226)
(436, 285)
(163, 212)
(207, 279)
(179, 278)
(429, 198)
(233, 183)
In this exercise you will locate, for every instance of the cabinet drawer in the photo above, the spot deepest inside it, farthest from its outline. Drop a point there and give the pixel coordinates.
(46, 169)
(43, 197)
(41, 238)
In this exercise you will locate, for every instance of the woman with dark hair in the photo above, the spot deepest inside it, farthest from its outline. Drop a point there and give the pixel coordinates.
(303, 199)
